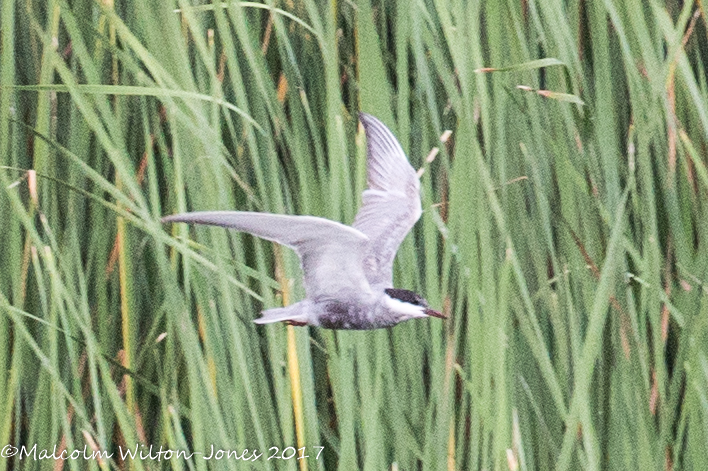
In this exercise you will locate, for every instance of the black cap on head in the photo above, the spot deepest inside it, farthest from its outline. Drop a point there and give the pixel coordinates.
(407, 296)
(410, 297)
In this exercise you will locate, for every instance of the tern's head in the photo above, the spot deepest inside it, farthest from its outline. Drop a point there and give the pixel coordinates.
(409, 305)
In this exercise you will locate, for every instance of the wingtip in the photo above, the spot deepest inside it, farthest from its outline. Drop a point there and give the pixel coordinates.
(188, 218)
(367, 118)
(373, 124)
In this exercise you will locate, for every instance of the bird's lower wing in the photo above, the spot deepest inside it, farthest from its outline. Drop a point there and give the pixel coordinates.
(330, 252)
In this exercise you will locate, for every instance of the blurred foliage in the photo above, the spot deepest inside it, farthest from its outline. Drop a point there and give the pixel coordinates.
(563, 145)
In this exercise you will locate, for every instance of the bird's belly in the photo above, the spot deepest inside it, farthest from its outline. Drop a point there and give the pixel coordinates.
(349, 316)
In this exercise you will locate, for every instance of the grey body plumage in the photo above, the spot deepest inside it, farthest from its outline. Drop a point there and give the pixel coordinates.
(348, 270)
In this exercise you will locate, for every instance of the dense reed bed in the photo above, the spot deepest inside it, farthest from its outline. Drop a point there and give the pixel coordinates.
(563, 148)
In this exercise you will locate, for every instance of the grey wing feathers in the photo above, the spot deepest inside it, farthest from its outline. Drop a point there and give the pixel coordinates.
(293, 231)
(391, 205)
(387, 167)
(330, 252)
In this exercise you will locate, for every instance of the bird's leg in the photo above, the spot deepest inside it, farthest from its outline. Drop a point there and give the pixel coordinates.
(296, 323)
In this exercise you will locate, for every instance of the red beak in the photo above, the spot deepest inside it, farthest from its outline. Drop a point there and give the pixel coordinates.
(434, 313)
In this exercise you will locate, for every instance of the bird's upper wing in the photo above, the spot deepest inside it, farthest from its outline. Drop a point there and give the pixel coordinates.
(330, 252)
(391, 204)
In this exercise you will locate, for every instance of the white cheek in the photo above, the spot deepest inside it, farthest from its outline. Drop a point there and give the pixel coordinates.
(405, 309)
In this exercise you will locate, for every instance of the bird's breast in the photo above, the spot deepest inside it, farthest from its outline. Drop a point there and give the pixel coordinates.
(349, 316)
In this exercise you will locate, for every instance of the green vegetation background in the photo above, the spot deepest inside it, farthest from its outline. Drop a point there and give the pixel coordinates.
(564, 231)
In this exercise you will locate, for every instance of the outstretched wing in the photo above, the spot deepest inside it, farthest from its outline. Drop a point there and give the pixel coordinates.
(330, 252)
(391, 204)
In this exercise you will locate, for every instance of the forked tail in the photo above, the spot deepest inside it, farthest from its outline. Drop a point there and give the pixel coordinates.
(283, 314)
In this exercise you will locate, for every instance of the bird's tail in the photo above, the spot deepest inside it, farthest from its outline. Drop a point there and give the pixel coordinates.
(290, 313)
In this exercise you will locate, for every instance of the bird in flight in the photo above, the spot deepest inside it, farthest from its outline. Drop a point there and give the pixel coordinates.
(348, 270)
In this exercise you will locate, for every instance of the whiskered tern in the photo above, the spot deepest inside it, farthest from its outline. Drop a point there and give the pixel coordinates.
(348, 270)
